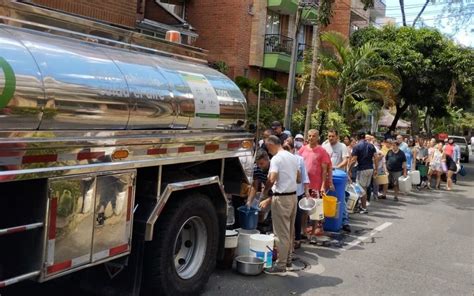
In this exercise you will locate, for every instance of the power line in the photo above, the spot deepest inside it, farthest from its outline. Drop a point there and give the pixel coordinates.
(443, 17)
(412, 6)
(438, 12)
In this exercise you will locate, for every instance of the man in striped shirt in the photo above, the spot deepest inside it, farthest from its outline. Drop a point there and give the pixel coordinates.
(260, 173)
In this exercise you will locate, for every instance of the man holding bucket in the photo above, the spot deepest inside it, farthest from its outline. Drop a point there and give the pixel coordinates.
(318, 165)
(283, 176)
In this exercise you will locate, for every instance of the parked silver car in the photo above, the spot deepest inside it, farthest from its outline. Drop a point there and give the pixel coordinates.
(462, 142)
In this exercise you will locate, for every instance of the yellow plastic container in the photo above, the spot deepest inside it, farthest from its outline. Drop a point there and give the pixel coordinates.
(330, 206)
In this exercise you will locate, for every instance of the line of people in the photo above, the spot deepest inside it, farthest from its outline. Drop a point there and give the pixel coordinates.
(288, 169)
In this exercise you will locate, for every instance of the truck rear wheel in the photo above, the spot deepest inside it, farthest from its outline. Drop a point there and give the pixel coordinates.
(183, 252)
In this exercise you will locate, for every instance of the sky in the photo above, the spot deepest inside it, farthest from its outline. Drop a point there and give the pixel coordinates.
(437, 14)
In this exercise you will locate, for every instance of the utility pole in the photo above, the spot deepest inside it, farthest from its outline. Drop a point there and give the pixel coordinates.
(312, 82)
(292, 74)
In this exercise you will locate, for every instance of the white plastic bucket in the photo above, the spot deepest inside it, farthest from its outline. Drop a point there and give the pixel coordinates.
(415, 177)
(318, 213)
(261, 246)
(243, 246)
(404, 184)
(231, 239)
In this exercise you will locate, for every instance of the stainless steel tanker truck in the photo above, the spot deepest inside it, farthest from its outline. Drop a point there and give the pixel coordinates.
(115, 163)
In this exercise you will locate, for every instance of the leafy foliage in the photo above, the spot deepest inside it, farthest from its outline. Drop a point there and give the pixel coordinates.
(326, 9)
(270, 88)
(220, 66)
(348, 79)
(268, 114)
(429, 64)
(333, 120)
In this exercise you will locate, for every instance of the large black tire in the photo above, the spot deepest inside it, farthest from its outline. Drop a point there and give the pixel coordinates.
(161, 274)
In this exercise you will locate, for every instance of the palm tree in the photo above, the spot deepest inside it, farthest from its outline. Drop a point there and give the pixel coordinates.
(349, 82)
(325, 13)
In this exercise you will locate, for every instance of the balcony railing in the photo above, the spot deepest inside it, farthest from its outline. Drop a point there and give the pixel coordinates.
(275, 43)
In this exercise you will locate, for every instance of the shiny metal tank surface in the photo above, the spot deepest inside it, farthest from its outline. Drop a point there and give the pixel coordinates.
(51, 82)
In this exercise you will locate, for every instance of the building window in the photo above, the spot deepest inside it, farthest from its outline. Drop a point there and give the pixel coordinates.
(354, 28)
(177, 7)
(302, 35)
(273, 23)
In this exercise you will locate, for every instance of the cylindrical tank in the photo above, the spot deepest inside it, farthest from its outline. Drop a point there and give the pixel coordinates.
(339, 179)
(51, 82)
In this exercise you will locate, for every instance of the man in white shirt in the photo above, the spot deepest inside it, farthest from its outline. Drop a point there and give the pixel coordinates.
(336, 150)
(283, 176)
(339, 159)
(302, 189)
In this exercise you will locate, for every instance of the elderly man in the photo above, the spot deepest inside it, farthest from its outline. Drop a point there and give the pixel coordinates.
(318, 165)
(283, 176)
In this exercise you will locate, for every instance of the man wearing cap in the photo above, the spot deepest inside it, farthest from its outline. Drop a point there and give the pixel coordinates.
(283, 176)
(278, 131)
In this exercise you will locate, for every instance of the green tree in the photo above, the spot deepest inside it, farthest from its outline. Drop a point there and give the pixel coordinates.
(334, 120)
(432, 68)
(348, 81)
(270, 88)
(268, 114)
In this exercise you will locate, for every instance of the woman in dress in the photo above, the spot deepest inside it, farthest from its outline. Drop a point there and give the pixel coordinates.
(435, 165)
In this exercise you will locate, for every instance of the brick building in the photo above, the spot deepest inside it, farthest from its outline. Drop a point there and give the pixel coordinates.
(252, 37)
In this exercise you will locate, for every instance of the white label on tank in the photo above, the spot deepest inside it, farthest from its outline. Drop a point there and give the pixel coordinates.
(206, 103)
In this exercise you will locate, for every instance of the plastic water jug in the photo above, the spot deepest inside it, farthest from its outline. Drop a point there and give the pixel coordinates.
(318, 214)
(415, 177)
(243, 245)
(404, 184)
(351, 201)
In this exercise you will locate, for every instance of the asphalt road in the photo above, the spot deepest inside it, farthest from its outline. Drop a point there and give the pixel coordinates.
(421, 245)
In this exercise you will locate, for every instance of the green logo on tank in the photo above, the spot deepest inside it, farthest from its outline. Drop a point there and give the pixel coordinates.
(10, 83)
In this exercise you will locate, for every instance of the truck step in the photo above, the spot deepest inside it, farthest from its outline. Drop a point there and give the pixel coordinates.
(20, 228)
(19, 278)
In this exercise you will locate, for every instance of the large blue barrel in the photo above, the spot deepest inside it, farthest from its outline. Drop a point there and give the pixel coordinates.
(339, 179)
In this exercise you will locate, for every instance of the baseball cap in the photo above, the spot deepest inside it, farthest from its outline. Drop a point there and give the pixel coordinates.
(276, 124)
(299, 136)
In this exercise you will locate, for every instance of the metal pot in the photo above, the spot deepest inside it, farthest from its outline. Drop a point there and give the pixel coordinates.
(308, 205)
(249, 265)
